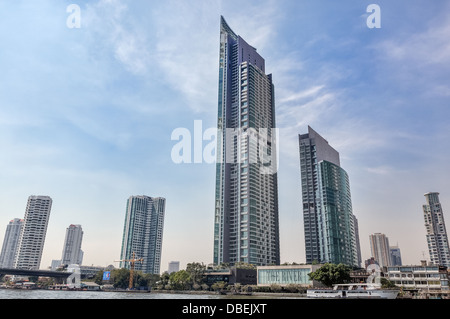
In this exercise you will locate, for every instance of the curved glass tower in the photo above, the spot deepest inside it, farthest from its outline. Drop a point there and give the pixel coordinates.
(331, 229)
(246, 199)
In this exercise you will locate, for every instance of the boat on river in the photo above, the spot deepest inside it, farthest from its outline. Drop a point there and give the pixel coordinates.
(354, 291)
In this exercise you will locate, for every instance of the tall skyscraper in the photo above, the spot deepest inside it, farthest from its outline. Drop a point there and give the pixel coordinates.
(143, 233)
(11, 243)
(437, 239)
(246, 225)
(72, 253)
(32, 238)
(329, 224)
(379, 246)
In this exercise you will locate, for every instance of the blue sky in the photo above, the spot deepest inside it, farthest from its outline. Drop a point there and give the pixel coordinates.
(86, 114)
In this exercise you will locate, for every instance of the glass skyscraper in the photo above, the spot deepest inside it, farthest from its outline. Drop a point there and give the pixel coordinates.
(437, 239)
(143, 233)
(329, 224)
(246, 199)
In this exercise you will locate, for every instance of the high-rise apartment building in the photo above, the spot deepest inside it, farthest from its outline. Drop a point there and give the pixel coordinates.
(32, 238)
(379, 247)
(72, 253)
(11, 243)
(143, 233)
(437, 239)
(329, 224)
(246, 225)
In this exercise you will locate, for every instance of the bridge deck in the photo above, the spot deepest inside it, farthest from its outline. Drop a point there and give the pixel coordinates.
(40, 273)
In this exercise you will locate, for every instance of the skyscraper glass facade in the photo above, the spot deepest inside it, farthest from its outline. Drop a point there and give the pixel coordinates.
(330, 227)
(246, 199)
(143, 233)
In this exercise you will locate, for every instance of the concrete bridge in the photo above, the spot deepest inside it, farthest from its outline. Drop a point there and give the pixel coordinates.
(37, 273)
(72, 276)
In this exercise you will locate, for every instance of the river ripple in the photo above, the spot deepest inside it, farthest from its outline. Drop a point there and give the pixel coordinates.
(64, 294)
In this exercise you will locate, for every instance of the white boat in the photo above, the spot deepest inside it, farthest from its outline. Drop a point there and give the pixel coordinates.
(354, 291)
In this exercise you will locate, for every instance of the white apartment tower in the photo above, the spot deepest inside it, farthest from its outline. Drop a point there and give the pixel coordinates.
(72, 253)
(32, 238)
(437, 239)
(11, 243)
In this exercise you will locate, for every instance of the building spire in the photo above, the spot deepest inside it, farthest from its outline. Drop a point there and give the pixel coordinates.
(226, 28)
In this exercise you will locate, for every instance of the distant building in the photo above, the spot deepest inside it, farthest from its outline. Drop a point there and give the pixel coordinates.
(11, 243)
(32, 238)
(143, 233)
(437, 240)
(174, 266)
(358, 244)
(379, 246)
(72, 253)
(56, 263)
(396, 257)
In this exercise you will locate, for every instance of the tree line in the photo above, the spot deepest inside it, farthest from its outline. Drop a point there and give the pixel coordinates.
(193, 278)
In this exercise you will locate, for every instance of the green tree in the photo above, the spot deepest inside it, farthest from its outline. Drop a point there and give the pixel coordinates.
(163, 280)
(196, 272)
(331, 274)
(98, 278)
(180, 280)
(120, 278)
(244, 265)
(219, 286)
(386, 283)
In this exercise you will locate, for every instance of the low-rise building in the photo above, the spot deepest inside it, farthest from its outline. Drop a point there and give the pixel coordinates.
(285, 275)
(231, 276)
(419, 277)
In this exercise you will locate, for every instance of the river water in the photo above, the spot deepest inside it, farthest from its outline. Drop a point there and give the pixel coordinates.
(64, 294)
(67, 294)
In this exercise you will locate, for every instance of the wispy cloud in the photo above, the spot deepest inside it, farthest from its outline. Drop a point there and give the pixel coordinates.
(109, 20)
(419, 60)
(187, 47)
(187, 50)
